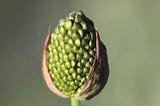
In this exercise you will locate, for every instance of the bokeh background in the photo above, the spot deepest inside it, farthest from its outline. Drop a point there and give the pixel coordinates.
(129, 28)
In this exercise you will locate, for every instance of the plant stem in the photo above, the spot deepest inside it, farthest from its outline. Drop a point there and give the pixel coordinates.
(74, 102)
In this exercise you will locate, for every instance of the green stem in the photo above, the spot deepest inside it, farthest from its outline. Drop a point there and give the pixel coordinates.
(74, 102)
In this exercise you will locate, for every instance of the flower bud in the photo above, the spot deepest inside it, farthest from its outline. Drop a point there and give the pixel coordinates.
(75, 62)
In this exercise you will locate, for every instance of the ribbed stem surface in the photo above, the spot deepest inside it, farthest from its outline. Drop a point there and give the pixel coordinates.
(75, 102)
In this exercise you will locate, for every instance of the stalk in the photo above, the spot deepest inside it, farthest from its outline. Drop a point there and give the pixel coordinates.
(74, 102)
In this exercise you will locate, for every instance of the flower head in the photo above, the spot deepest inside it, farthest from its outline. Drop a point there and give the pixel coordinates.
(75, 61)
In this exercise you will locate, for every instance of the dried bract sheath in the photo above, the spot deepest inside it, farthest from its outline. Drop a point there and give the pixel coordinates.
(75, 62)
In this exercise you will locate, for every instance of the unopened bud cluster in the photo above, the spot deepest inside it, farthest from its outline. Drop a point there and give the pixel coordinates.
(71, 52)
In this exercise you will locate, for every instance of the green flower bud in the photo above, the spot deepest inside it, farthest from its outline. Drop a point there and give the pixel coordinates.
(74, 59)
(62, 30)
(68, 24)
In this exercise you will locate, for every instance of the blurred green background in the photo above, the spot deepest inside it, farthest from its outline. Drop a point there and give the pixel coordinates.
(129, 28)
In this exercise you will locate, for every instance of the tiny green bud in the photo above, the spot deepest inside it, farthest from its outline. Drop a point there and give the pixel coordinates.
(62, 44)
(56, 30)
(60, 37)
(82, 80)
(74, 75)
(81, 33)
(56, 43)
(76, 82)
(70, 41)
(68, 48)
(68, 24)
(65, 57)
(66, 72)
(75, 49)
(69, 78)
(79, 70)
(77, 42)
(63, 67)
(62, 30)
(71, 56)
(70, 33)
(54, 51)
(63, 51)
(61, 22)
(49, 66)
(70, 17)
(91, 52)
(78, 56)
(88, 65)
(91, 60)
(85, 55)
(66, 38)
(79, 77)
(76, 26)
(87, 37)
(71, 70)
(85, 70)
(79, 64)
(83, 61)
(56, 58)
(50, 47)
(72, 83)
(67, 64)
(84, 26)
(64, 79)
(81, 50)
(75, 35)
(57, 64)
(59, 49)
(73, 63)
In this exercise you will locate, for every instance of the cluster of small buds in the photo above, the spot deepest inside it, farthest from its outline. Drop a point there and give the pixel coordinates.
(70, 54)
